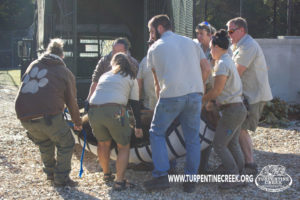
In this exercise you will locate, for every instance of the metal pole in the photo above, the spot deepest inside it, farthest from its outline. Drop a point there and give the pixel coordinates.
(205, 10)
(274, 18)
(146, 31)
(241, 8)
(75, 50)
(289, 16)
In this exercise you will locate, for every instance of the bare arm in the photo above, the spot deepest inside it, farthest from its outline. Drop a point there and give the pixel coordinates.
(140, 83)
(241, 69)
(156, 83)
(219, 85)
(205, 68)
(92, 89)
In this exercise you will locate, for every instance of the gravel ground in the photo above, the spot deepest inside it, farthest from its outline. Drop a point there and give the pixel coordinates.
(22, 177)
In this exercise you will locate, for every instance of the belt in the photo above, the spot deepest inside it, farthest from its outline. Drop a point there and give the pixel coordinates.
(37, 118)
(229, 105)
(104, 105)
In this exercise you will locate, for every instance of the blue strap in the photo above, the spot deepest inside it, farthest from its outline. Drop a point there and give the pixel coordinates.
(82, 154)
(83, 149)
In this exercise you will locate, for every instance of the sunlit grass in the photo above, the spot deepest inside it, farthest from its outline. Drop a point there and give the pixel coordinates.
(10, 77)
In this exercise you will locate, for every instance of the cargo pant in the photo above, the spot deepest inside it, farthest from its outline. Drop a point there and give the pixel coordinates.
(47, 137)
(226, 141)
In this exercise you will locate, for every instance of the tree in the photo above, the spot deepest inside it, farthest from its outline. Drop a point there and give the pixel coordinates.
(266, 18)
(16, 14)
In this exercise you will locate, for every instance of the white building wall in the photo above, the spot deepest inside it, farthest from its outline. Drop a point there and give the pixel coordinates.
(283, 60)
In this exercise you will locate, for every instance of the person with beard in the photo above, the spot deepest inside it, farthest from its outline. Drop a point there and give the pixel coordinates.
(179, 68)
(148, 98)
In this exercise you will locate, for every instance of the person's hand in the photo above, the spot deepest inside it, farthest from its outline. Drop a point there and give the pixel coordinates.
(209, 106)
(77, 128)
(204, 99)
(138, 132)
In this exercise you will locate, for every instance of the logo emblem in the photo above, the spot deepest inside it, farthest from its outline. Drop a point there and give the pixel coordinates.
(34, 80)
(273, 178)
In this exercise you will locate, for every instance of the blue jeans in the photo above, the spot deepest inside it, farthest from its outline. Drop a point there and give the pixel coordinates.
(188, 108)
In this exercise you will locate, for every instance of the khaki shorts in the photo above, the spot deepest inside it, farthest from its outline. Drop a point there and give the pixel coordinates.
(107, 124)
(254, 114)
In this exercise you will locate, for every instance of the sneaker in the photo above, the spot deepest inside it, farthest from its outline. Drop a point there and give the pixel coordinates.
(68, 182)
(226, 186)
(50, 177)
(141, 167)
(219, 170)
(207, 170)
(251, 169)
(159, 183)
(189, 187)
(172, 171)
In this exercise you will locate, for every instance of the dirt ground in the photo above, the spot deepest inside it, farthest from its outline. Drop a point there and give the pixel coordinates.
(22, 177)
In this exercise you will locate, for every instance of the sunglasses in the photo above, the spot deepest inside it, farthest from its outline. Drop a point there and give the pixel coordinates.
(232, 30)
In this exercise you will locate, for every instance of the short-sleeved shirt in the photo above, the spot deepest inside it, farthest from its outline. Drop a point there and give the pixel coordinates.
(104, 66)
(115, 88)
(145, 73)
(256, 87)
(232, 92)
(176, 60)
(207, 53)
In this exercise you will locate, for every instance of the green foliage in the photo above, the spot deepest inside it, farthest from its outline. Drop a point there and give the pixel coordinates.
(262, 21)
(277, 112)
(10, 77)
(260, 16)
(16, 14)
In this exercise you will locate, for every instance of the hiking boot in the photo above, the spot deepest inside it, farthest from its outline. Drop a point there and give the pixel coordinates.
(172, 171)
(219, 170)
(251, 169)
(141, 167)
(159, 183)
(50, 177)
(68, 182)
(206, 170)
(189, 187)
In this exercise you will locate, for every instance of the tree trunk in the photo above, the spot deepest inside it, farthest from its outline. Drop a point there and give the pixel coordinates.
(205, 10)
(275, 18)
(289, 16)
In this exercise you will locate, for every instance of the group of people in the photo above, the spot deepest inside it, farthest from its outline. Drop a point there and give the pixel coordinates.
(176, 80)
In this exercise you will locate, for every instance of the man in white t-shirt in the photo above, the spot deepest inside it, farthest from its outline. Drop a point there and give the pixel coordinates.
(146, 84)
(179, 68)
(147, 93)
(251, 65)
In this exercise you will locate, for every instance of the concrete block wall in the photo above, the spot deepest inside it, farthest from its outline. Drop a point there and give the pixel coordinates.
(283, 60)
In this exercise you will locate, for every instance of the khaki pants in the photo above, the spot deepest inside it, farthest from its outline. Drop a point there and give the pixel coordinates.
(110, 122)
(226, 141)
(253, 116)
(47, 137)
